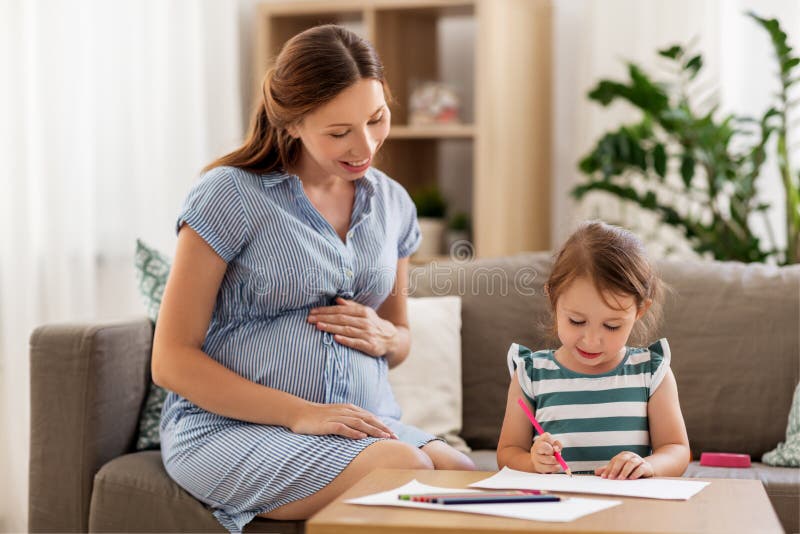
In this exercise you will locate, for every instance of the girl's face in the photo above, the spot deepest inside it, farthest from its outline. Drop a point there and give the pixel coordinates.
(593, 334)
(341, 137)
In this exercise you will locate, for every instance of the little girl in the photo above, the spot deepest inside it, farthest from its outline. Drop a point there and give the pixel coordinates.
(609, 409)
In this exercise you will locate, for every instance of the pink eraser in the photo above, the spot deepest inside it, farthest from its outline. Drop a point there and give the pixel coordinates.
(724, 459)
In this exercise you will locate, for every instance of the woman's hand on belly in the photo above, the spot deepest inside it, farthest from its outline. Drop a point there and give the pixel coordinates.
(346, 420)
(356, 326)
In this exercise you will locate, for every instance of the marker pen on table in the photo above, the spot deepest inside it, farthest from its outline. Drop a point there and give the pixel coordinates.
(429, 497)
(466, 499)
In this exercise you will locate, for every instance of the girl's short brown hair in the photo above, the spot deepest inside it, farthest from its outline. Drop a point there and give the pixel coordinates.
(614, 259)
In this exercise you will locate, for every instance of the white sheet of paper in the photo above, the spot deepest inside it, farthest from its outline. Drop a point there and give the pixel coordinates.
(649, 488)
(568, 509)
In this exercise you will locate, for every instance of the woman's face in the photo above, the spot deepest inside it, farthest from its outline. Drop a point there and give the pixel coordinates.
(341, 137)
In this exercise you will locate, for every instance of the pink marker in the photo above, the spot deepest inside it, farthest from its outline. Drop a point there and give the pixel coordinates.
(540, 430)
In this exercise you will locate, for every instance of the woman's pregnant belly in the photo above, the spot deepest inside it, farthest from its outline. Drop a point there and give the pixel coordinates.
(290, 354)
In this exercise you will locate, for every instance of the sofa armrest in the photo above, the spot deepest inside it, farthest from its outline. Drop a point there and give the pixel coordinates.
(88, 384)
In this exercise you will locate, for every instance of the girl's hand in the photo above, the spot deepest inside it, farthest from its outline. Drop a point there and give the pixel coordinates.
(544, 461)
(626, 465)
(356, 326)
(346, 420)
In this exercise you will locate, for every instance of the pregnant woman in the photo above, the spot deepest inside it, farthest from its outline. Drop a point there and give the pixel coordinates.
(286, 303)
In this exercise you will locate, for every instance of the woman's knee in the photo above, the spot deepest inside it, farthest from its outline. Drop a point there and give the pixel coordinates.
(393, 454)
(446, 457)
(455, 462)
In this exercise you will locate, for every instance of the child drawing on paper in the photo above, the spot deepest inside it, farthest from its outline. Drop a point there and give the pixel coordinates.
(609, 408)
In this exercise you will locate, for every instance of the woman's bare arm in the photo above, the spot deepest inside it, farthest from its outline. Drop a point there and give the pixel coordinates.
(178, 362)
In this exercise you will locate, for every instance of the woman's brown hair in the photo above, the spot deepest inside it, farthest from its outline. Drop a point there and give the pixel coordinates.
(614, 259)
(312, 68)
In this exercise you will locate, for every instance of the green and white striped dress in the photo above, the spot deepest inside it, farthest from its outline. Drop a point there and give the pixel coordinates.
(594, 416)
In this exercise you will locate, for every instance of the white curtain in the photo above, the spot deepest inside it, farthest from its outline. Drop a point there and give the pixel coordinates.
(594, 39)
(108, 111)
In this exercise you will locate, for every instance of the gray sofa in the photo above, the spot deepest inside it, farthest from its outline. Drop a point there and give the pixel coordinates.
(735, 342)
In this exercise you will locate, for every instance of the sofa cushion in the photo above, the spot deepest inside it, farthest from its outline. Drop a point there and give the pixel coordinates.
(484, 459)
(152, 270)
(781, 483)
(735, 351)
(787, 454)
(133, 493)
(427, 385)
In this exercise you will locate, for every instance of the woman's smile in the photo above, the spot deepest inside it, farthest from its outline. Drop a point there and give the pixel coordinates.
(356, 166)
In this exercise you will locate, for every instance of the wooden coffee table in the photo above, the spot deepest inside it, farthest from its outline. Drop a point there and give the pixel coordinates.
(725, 505)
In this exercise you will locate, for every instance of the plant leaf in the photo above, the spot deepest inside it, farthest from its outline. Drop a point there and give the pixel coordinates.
(694, 65)
(687, 169)
(644, 93)
(673, 52)
(789, 64)
(606, 91)
(660, 160)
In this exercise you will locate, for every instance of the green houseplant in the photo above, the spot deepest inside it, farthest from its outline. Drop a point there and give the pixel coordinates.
(695, 169)
(431, 208)
(458, 233)
(429, 202)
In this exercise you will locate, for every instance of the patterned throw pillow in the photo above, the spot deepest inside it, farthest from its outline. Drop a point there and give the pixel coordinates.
(152, 269)
(787, 454)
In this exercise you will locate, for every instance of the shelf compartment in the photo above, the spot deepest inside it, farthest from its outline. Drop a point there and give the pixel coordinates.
(432, 131)
(407, 40)
(412, 162)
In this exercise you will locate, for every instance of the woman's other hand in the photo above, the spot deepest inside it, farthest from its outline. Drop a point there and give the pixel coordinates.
(356, 326)
(346, 420)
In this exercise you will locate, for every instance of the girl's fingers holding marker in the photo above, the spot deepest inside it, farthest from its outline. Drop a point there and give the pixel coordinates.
(543, 453)
(543, 447)
(546, 458)
(543, 463)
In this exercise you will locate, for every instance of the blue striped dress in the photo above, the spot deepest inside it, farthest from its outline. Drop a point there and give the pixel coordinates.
(283, 259)
(594, 416)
